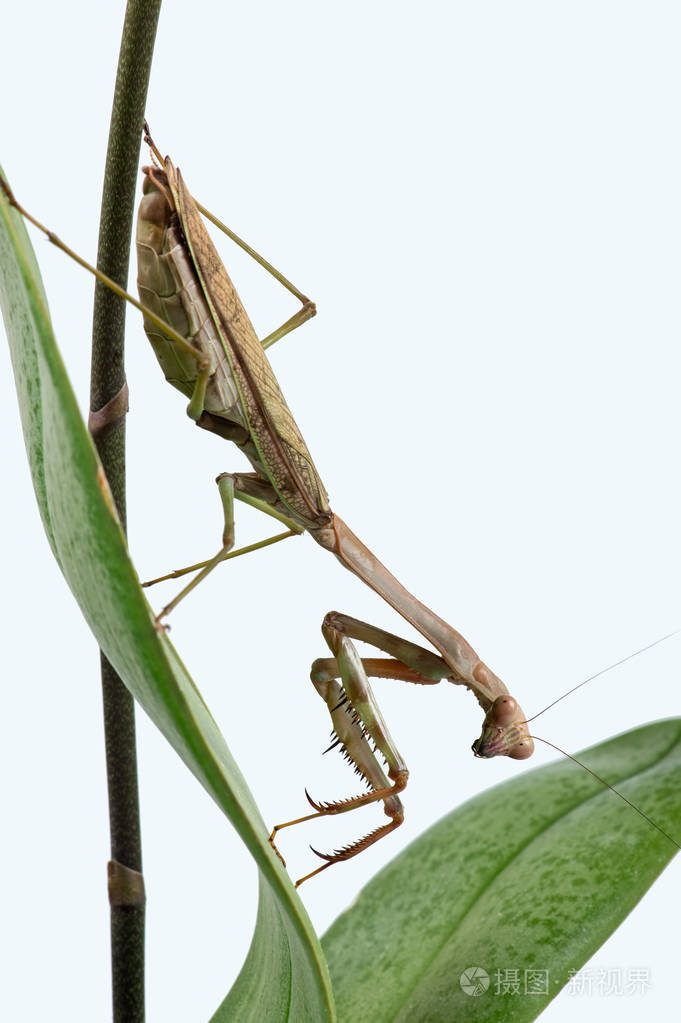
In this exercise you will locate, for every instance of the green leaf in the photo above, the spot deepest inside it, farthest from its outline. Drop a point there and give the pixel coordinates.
(76, 508)
(533, 875)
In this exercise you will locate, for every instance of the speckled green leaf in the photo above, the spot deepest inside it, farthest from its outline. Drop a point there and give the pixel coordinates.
(534, 874)
(290, 980)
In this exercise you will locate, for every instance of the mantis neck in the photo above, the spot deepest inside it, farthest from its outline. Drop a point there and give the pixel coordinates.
(467, 668)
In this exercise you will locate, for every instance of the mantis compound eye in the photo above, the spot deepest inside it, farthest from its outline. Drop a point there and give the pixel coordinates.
(522, 749)
(503, 711)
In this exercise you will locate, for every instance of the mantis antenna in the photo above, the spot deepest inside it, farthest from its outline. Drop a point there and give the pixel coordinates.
(603, 671)
(609, 786)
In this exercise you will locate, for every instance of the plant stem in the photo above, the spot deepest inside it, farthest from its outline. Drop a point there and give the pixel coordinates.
(108, 402)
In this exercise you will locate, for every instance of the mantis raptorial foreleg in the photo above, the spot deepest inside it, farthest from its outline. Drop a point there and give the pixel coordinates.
(358, 722)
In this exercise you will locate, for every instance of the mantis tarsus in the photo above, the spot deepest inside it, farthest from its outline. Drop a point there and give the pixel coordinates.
(208, 349)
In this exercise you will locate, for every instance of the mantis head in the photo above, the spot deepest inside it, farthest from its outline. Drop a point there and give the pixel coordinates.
(504, 732)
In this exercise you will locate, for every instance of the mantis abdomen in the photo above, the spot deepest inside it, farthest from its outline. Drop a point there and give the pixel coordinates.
(181, 271)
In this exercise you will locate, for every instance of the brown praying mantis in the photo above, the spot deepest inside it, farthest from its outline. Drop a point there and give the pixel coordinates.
(209, 350)
(222, 368)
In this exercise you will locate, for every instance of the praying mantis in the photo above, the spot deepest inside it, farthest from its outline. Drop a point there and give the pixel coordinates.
(220, 364)
(208, 349)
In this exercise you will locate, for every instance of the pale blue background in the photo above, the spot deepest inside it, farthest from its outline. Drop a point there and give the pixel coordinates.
(483, 199)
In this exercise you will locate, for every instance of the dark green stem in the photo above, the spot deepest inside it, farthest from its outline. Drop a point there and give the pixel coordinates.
(108, 403)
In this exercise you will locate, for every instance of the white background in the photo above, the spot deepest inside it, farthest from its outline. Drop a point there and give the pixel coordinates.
(483, 199)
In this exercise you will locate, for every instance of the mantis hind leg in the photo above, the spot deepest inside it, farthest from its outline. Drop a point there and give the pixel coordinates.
(308, 309)
(359, 728)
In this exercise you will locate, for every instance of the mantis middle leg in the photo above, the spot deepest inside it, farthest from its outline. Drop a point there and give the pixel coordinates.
(251, 489)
